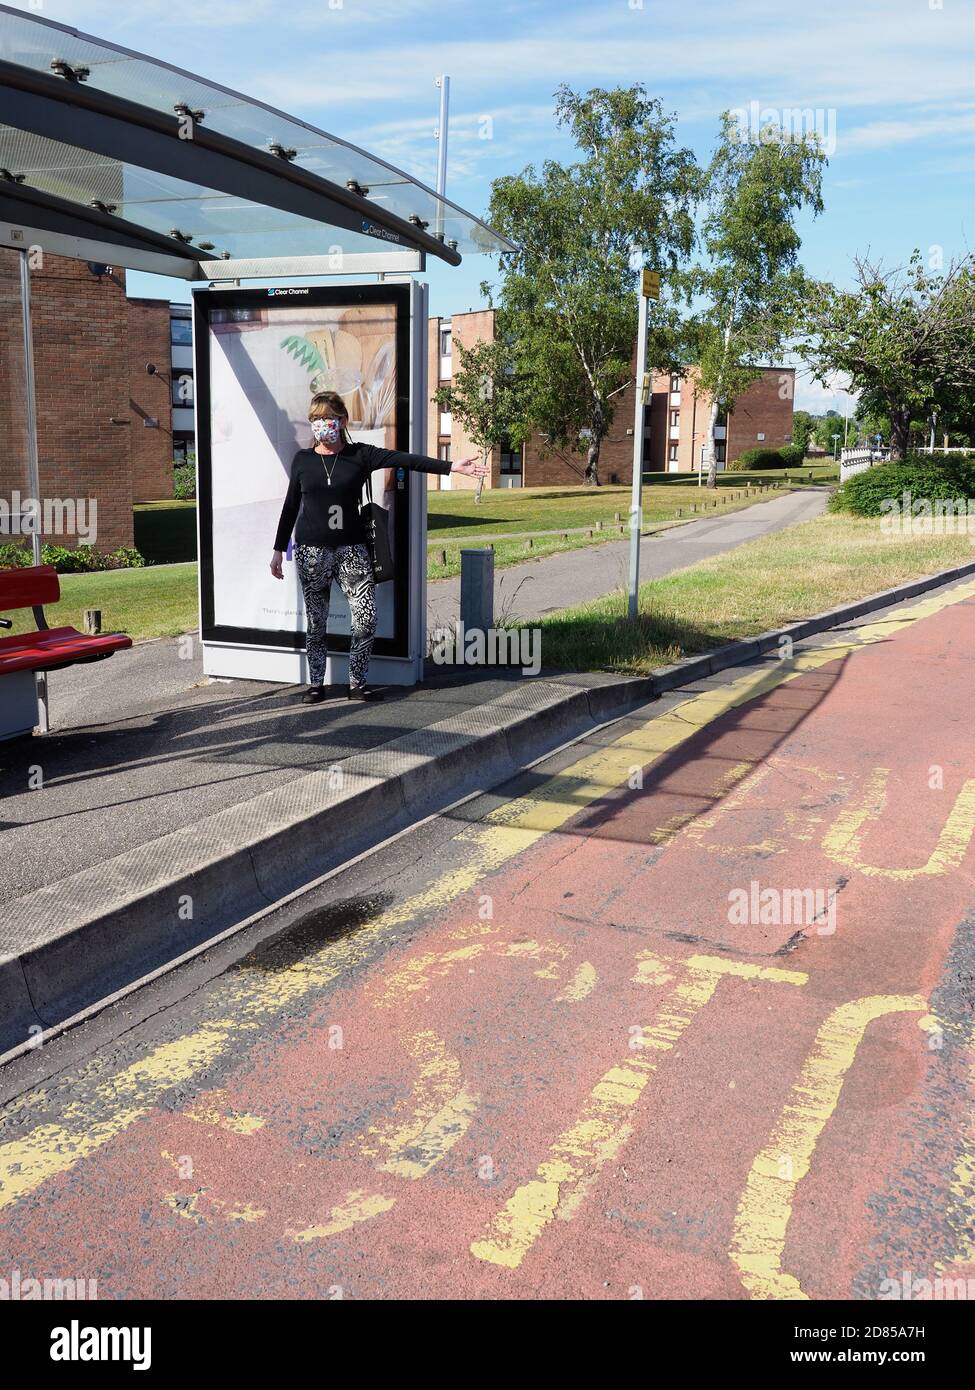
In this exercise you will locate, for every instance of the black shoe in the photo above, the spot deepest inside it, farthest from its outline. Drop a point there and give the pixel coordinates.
(364, 692)
(314, 695)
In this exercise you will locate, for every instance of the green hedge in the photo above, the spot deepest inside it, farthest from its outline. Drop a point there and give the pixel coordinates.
(924, 476)
(789, 456)
(82, 559)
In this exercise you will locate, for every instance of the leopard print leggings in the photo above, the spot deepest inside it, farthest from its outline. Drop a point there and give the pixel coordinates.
(317, 566)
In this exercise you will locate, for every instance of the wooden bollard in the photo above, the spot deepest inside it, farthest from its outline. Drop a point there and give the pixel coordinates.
(93, 621)
(529, 544)
(441, 557)
(616, 516)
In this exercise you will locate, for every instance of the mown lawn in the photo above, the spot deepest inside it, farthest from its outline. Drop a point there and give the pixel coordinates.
(165, 532)
(760, 585)
(791, 574)
(150, 602)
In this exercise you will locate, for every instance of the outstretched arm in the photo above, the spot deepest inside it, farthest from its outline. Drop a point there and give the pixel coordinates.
(419, 463)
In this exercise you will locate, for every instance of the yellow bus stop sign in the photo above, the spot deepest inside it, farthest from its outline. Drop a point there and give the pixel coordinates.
(650, 284)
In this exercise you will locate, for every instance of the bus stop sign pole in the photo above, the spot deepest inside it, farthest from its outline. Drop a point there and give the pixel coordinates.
(649, 289)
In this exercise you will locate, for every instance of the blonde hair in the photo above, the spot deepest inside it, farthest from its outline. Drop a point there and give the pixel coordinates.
(327, 405)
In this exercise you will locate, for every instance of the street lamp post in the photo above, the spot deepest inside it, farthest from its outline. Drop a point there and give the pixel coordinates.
(835, 437)
(649, 289)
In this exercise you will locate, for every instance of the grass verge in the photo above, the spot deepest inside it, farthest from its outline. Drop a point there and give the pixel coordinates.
(151, 602)
(763, 584)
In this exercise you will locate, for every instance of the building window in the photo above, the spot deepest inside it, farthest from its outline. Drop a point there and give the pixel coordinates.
(184, 447)
(674, 419)
(183, 390)
(675, 383)
(511, 461)
(445, 341)
(719, 448)
(443, 451)
(673, 452)
(180, 332)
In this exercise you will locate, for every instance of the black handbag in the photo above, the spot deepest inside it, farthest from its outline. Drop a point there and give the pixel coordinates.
(375, 521)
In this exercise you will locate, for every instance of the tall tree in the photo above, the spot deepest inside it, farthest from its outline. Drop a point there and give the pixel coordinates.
(906, 339)
(485, 394)
(749, 285)
(802, 428)
(583, 231)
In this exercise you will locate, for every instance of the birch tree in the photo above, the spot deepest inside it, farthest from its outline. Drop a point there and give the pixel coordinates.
(906, 339)
(567, 298)
(749, 288)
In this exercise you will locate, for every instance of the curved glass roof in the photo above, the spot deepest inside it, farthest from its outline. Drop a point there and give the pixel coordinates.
(96, 125)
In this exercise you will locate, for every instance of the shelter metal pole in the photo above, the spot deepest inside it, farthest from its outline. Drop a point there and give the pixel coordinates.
(443, 82)
(33, 464)
(636, 493)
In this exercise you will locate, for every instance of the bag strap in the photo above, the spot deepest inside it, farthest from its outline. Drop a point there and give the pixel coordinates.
(369, 487)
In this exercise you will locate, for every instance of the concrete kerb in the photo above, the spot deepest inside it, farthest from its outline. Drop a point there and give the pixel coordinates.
(75, 942)
(82, 939)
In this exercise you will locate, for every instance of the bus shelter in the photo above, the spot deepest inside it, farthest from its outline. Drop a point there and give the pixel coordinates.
(113, 157)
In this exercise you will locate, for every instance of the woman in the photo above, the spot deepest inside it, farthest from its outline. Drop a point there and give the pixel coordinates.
(330, 542)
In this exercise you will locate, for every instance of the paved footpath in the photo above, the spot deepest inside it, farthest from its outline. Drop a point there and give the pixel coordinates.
(687, 1011)
(578, 576)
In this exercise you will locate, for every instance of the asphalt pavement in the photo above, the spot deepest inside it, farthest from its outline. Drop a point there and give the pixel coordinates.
(683, 1012)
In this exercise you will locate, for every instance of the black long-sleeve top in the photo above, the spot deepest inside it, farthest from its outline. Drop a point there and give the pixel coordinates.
(329, 511)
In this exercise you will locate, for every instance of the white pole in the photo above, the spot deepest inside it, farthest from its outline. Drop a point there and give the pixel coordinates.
(443, 82)
(636, 497)
(33, 464)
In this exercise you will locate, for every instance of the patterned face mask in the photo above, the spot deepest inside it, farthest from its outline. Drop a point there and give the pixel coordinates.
(327, 431)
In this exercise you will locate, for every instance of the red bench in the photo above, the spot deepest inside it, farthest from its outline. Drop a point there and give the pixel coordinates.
(49, 648)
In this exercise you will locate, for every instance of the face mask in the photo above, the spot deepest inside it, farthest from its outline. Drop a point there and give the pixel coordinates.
(327, 431)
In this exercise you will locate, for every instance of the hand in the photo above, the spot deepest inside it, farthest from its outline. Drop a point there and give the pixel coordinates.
(472, 467)
(276, 567)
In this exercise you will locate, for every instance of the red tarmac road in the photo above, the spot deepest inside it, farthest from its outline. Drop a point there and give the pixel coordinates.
(690, 1017)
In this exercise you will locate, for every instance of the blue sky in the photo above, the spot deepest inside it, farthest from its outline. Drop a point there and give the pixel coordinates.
(893, 80)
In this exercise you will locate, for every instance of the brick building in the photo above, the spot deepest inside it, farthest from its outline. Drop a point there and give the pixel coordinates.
(536, 464)
(104, 425)
(680, 413)
(674, 421)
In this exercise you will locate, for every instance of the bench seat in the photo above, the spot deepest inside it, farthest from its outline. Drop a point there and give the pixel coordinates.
(55, 647)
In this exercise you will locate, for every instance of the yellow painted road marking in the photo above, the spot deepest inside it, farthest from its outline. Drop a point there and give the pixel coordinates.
(581, 985)
(843, 842)
(441, 1110)
(765, 1207)
(256, 996)
(576, 1158)
(420, 972)
(206, 1112)
(960, 1214)
(358, 1206)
